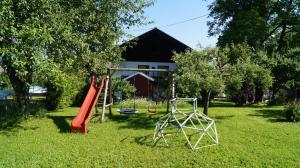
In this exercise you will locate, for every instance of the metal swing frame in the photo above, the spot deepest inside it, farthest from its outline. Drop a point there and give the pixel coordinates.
(199, 122)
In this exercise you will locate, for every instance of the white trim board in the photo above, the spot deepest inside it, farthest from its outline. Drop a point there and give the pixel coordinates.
(139, 73)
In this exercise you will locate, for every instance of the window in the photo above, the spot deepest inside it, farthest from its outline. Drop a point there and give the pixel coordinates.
(162, 74)
(144, 67)
(163, 67)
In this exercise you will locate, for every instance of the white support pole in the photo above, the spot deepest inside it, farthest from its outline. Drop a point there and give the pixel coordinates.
(104, 101)
(173, 86)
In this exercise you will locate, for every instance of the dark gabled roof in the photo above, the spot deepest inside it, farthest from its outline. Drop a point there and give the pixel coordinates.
(153, 46)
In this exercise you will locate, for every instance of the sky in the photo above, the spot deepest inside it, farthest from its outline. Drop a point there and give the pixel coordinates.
(168, 12)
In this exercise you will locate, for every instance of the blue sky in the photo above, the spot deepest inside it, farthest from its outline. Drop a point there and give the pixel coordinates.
(165, 12)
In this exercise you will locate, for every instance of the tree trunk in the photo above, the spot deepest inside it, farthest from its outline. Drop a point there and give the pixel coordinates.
(21, 87)
(258, 94)
(21, 91)
(281, 38)
(284, 26)
(205, 99)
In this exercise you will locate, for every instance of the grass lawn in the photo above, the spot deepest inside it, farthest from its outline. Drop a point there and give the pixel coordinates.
(249, 137)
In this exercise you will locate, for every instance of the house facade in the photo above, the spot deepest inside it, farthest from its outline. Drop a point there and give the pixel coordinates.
(151, 50)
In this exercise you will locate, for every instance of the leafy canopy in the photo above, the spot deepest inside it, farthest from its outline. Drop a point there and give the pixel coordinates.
(198, 73)
(76, 35)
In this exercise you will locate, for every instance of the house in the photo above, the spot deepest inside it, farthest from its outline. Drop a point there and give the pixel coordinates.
(151, 50)
(143, 83)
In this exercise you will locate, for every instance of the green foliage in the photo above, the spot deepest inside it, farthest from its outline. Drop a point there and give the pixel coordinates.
(198, 70)
(287, 70)
(4, 81)
(142, 103)
(292, 111)
(76, 35)
(61, 87)
(122, 89)
(270, 25)
(280, 100)
(81, 94)
(245, 74)
(199, 74)
(273, 25)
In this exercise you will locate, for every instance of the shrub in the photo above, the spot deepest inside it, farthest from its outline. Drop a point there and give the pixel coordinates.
(122, 89)
(81, 94)
(144, 103)
(61, 87)
(292, 111)
(61, 92)
(277, 101)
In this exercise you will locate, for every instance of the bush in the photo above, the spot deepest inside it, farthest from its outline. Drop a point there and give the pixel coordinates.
(144, 103)
(81, 94)
(62, 91)
(292, 111)
(122, 89)
(61, 87)
(277, 101)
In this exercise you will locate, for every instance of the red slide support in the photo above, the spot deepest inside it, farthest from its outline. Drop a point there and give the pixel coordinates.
(83, 117)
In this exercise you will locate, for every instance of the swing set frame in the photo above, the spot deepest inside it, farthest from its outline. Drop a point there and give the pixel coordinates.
(108, 95)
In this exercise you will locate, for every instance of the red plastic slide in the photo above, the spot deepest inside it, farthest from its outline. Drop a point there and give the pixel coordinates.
(86, 109)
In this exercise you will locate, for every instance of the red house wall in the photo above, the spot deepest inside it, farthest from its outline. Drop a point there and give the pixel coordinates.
(144, 86)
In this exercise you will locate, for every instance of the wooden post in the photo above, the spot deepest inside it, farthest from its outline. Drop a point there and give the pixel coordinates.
(105, 99)
(110, 91)
(168, 93)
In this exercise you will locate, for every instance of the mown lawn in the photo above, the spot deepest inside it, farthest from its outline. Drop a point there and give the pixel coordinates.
(249, 137)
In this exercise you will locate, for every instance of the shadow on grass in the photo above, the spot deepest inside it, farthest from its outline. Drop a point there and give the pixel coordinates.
(12, 130)
(136, 121)
(11, 117)
(9, 122)
(221, 104)
(271, 115)
(61, 123)
(146, 140)
(219, 119)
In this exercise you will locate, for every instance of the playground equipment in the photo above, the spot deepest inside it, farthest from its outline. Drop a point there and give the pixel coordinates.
(133, 110)
(198, 123)
(83, 117)
(109, 102)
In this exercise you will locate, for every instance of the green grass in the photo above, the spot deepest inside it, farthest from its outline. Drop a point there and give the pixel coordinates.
(249, 137)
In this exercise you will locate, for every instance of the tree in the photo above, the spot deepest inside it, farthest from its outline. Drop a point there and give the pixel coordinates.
(287, 71)
(263, 23)
(73, 34)
(268, 25)
(199, 74)
(247, 76)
